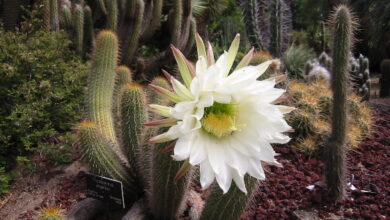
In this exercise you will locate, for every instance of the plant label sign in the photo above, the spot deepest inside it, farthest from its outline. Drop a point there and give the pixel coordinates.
(105, 189)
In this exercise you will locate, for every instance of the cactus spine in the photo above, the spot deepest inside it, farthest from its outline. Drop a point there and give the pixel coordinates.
(343, 28)
(79, 28)
(231, 205)
(101, 83)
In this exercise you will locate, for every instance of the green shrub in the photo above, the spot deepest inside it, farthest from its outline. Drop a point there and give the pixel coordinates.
(295, 59)
(41, 90)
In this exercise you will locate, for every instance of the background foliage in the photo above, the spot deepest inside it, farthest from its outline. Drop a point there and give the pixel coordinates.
(40, 91)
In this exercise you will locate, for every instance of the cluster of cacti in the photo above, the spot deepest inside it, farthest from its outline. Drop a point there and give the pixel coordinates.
(360, 76)
(385, 78)
(133, 21)
(314, 100)
(358, 69)
(268, 24)
(119, 150)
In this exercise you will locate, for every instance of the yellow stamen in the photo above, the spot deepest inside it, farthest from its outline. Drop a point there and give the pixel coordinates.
(219, 125)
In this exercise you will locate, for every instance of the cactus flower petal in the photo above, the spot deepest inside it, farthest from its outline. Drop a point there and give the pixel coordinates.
(226, 123)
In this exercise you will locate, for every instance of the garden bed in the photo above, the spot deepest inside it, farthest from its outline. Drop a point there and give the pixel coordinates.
(284, 195)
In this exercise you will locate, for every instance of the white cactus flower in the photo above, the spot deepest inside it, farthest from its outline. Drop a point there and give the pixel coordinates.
(225, 123)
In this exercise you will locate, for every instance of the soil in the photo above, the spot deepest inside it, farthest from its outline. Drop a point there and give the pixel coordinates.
(284, 195)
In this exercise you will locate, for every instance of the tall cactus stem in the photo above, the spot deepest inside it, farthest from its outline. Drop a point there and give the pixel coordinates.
(46, 14)
(134, 115)
(251, 19)
(231, 205)
(112, 14)
(54, 18)
(66, 19)
(155, 19)
(101, 83)
(100, 157)
(79, 28)
(177, 21)
(167, 199)
(88, 29)
(276, 28)
(343, 28)
(132, 44)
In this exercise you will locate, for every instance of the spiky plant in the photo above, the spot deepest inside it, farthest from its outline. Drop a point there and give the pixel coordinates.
(280, 26)
(255, 19)
(295, 60)
(124, 154)
(314, 100)
(135, 22)
(158, 185)
(51, 213)
(343, 28)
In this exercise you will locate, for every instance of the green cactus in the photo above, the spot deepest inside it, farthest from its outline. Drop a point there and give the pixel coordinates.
(343, 28)
(280, 25)
(385, 78)
(101, 158)
(112, 14)
(132, 42)
(88, 29)
(133, 116)
(254, 20)
(66, 19)
(124, 76)
(360, 75)
(167, 198)
(231, 205)
(101, 83)
(78, 20)
(54, 18)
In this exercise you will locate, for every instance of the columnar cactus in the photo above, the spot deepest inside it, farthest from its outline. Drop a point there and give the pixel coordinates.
(255, 21)
(135, 22)
(280, 25)
(124, 154)
(231, 205)
(343, 28)
(102, 82)
(79, 28)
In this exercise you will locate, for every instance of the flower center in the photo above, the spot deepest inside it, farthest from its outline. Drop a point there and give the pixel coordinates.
(219, 119)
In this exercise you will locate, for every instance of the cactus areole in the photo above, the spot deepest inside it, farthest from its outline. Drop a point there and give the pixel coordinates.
(225, 123)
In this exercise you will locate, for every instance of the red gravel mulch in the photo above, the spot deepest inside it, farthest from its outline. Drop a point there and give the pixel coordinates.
(285, 190)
